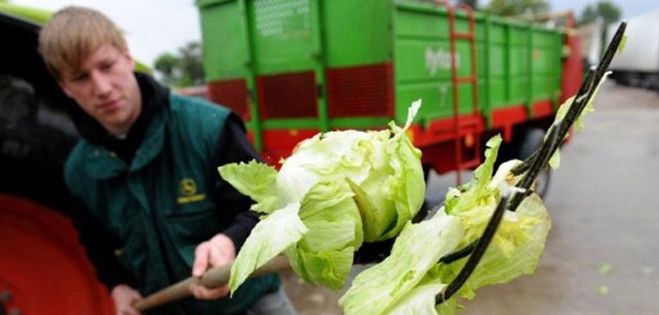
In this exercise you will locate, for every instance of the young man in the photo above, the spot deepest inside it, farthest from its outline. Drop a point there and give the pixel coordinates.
(145, 168)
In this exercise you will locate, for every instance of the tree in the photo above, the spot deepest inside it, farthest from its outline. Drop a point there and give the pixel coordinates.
(589, 15)
(191, 64)
(183, 69)
(472, 3)
(607, 11)
(166, 64)
(517, 7)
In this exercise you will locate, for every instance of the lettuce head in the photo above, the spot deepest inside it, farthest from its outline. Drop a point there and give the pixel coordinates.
(337, 190)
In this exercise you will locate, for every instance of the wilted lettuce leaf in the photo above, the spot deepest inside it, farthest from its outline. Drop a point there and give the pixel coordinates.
(524, 231)
(478, 200)
(515, 249)
(555, 160)
(475, 190)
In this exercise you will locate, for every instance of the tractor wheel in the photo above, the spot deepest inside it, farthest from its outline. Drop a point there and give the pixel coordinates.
(43, 269)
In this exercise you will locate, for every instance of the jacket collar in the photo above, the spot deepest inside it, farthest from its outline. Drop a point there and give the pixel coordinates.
(102, 163)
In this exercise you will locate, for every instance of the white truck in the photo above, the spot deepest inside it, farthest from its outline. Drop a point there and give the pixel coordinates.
(638, 64)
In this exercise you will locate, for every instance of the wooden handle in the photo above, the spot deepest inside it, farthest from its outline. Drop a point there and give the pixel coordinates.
(213, 278)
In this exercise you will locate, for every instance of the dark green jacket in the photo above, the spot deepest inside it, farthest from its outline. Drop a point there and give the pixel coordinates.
(160, 205)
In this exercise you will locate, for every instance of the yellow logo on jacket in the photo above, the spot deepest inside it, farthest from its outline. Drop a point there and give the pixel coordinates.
(188, 190)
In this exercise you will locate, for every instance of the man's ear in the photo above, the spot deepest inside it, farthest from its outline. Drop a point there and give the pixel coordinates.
(131, 61)
(64, 88)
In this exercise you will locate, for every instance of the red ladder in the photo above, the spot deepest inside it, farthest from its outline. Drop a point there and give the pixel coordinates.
(464, 129)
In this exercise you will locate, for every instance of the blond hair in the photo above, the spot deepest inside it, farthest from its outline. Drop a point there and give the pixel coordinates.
(74, 33)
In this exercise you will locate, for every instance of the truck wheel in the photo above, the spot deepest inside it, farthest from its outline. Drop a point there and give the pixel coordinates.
(426, 172)
(423, 212)
(530, 140)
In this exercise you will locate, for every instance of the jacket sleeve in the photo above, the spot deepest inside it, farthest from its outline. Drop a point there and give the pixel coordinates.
(234, 146)
(99, 245)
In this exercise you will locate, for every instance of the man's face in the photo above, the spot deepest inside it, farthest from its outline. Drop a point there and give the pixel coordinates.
(106, 88)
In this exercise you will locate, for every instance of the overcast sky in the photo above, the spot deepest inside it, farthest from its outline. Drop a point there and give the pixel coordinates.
(151, 26)
(156, 26)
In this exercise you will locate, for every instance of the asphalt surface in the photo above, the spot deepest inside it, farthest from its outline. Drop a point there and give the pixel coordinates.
(602, 254)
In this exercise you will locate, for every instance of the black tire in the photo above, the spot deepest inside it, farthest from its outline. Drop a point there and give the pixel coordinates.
(530, 139)
(425, 207)
(426, 172)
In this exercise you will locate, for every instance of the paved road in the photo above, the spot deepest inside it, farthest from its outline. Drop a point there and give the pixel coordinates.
(604, 201)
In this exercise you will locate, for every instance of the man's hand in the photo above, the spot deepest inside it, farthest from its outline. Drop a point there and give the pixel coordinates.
(217, 251)
(124, 297)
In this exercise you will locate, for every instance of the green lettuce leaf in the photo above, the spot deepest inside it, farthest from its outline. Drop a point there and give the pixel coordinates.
(476, 201)
(420, 300)
(281, 228)
(255, 180)
(417, 248)
(325, 254)
(471, 194)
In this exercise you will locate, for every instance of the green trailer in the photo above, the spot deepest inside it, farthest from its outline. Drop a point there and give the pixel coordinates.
(293, 68)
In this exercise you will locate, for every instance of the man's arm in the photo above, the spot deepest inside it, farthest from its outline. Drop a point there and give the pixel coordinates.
(100, 246)
(232, 147)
